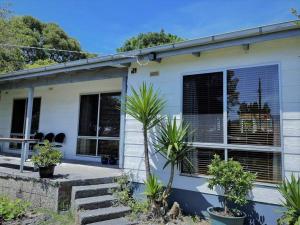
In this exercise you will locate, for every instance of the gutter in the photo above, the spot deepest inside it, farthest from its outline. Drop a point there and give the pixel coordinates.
(184, 47)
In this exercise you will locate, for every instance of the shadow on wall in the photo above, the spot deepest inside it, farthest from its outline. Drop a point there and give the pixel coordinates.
(197, 203)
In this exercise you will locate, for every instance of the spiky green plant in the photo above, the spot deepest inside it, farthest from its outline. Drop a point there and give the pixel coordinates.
(145, 105)
(290, 191)
(153, 188)
(170, 143)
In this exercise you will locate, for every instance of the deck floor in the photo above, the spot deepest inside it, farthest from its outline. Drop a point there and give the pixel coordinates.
(67, 171)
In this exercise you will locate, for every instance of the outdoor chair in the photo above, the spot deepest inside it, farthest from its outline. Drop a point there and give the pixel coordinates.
(49, 137)
(39, 136)
(59, 140)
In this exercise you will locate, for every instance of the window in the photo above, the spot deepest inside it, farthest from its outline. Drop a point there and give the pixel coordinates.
(251, 132)
(99, 125)
(19, 119)
(253, 106)
(203, 106)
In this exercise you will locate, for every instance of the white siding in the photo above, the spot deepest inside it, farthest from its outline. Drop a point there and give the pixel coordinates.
(284, 52)
(59, 109)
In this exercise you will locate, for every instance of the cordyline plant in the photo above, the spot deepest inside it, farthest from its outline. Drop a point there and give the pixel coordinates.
(145, 105)
(290, 191)
(171, 143)
(232, 179)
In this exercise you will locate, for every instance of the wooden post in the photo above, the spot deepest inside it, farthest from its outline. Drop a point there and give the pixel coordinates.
(25, 146)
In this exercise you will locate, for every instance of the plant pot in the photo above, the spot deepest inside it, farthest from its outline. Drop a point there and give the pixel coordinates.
(217, 219)
(104, 160)
(47, 171)
(112, 161)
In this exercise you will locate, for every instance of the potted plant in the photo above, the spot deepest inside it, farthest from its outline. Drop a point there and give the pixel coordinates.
(46, 158)
(112, 160)
(104, 159)
(235, 184)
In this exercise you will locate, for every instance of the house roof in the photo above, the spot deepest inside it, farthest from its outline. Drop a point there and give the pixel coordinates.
(244, 37)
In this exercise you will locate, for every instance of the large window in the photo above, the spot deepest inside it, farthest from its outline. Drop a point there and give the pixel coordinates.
(241, 122)
(19, 119)
(99, 125)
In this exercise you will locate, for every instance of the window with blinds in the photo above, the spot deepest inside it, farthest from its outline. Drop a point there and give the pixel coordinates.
(266, 165)
(203, 106)
(253, 119)
(253, 106)
(199, 159)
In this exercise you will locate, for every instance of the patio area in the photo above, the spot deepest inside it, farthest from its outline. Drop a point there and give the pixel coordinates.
(54, 193)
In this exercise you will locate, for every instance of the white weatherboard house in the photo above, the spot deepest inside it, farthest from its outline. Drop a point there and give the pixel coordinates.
(240, 92)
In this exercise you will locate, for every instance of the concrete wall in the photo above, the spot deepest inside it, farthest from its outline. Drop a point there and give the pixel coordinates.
(59, 109)
(284, 52)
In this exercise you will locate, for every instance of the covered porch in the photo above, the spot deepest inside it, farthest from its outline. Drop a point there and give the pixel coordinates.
(81, 101)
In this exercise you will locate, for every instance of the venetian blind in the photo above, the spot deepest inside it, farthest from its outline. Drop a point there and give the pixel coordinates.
(203, 106)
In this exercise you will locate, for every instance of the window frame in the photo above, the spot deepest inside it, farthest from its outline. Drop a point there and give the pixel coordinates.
(225, 144)
(12, 109)
(97, 137)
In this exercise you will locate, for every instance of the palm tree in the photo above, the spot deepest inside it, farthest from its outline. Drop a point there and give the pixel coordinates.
(171, 143)
(145, 105)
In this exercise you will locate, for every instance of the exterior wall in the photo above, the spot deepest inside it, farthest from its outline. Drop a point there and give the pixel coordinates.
(284, 52)
(59, 109)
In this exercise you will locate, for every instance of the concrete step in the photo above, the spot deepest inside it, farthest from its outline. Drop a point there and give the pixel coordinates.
(91, 191)
(118, 221)
(97, 202)
(102, 214)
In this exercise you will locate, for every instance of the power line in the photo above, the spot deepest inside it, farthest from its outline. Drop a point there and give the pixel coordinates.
(40, 48)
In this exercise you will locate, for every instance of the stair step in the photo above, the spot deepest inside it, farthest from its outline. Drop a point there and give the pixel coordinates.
(118, 221)
(94, 202)
(92, 190)
(102, 214)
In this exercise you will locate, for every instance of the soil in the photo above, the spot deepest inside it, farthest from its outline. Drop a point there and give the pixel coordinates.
(183, 220)
(221, 212)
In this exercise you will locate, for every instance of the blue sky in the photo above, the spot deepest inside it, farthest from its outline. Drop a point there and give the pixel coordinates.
(102, 25)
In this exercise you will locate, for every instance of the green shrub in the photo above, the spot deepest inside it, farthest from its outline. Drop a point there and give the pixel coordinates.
(12, 209)
(153, 189)
(232, 179)
(46, 155)
(124, 195)
(290, 190)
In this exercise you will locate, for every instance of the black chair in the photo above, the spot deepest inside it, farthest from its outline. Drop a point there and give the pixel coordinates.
(59, 139)
(49, 137)
(39, 136)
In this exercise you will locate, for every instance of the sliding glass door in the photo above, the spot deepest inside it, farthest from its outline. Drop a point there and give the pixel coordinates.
(19, 118)
(99, 125)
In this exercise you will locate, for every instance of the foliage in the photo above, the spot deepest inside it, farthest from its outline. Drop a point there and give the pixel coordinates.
(232, 179)
(153, 188)
(58, 218)
(171, 144)
(150, 39)
(290, 191)
(29, 31)
(12, 209)
(40, 63)
(46, 155)
(124, 196)
(145, 105)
